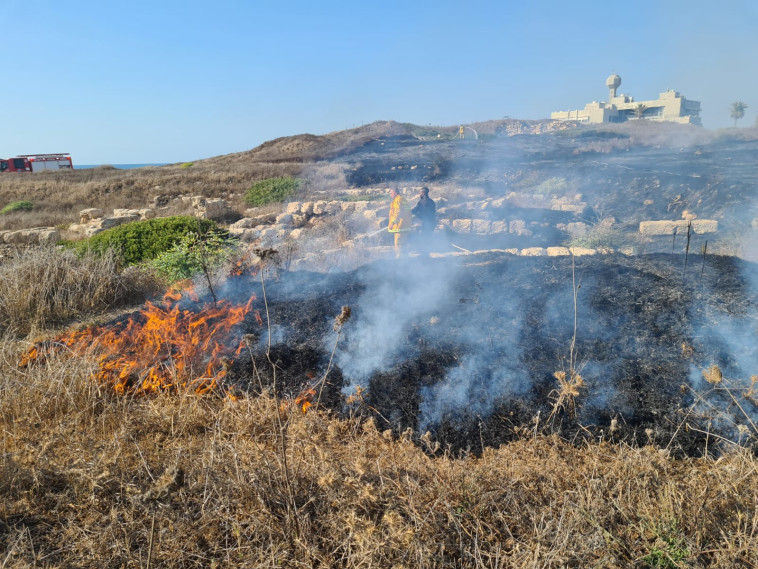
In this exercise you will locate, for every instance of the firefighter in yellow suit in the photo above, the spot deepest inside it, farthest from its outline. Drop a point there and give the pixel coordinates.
(400, 221)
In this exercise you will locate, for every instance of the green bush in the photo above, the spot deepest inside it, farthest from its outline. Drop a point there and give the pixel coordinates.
(17, 206)
(187, 165)
(194, 254)
(140, 241)
(271, 190)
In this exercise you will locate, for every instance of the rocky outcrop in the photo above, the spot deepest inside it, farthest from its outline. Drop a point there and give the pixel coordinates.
(665, 227)
(209, 208)
(33, 236)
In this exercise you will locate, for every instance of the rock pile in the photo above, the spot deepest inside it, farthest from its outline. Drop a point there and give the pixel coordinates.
(33, 236)
(93, 220)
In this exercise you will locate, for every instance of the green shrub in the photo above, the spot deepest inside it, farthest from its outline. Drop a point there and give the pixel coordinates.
(194, 254)
(140, 241)
(17, 206)
(187, 165)
(271, 190)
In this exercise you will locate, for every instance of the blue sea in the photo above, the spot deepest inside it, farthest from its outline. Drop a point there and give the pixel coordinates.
(119, 166)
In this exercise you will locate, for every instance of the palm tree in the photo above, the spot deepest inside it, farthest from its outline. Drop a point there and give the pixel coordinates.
(737, 110)
(639, 110)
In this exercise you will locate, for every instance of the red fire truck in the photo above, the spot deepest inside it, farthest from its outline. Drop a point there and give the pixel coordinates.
(36, 163)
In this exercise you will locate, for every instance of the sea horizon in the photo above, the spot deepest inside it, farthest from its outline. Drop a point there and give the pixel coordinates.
(119, 166)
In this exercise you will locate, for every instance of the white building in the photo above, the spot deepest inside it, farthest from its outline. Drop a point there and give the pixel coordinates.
(670, 106)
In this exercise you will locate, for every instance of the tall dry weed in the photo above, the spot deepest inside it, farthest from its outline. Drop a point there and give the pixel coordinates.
(44, 287)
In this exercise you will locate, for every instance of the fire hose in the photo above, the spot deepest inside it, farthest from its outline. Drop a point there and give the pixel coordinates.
(385, 229)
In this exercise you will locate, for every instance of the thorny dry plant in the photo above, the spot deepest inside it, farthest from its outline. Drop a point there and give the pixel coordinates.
(569, 389)
(741, 397)
(570, 383)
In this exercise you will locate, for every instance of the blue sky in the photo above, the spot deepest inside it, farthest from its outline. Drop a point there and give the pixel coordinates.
(168, 81)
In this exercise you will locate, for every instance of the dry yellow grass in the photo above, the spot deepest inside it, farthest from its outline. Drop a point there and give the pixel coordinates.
(59, 196)
(84, 475)
(45, 287)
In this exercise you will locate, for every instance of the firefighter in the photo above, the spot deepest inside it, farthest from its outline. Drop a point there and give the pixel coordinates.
(426, 212)
(400, 221)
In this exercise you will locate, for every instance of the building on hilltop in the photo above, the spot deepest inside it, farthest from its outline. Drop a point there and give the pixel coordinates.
(670, 106)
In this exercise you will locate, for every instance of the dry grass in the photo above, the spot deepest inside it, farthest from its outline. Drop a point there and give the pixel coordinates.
(46, 287)
(326, 176)
(59, 196)
(84, 473)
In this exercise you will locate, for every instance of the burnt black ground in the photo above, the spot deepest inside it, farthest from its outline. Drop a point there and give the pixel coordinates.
(476, 365)
(629, 182)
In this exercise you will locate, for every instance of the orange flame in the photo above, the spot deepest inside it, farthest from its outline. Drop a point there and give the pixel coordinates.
(305, 399)
(161, 349)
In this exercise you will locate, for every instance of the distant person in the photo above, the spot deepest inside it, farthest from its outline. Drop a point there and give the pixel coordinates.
(400, 222)
(426, 212)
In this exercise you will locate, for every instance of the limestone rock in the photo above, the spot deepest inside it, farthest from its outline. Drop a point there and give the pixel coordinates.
(518, 226)
(116, 220)
(576, 208)
(33, 236)
(558, 251)
(284, 219)
(701, 226)
(333, 208)
(533, 252)
(582, 251)
(299, 220)
(245, 235)
(461, 225)
(48, 235)
(146, 213)
(244, 223)
(665, 227)
(480, 226)
(499, 227)
(208, 208)
(87, 215)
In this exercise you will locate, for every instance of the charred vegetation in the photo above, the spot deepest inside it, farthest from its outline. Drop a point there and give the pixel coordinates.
(476, 366)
